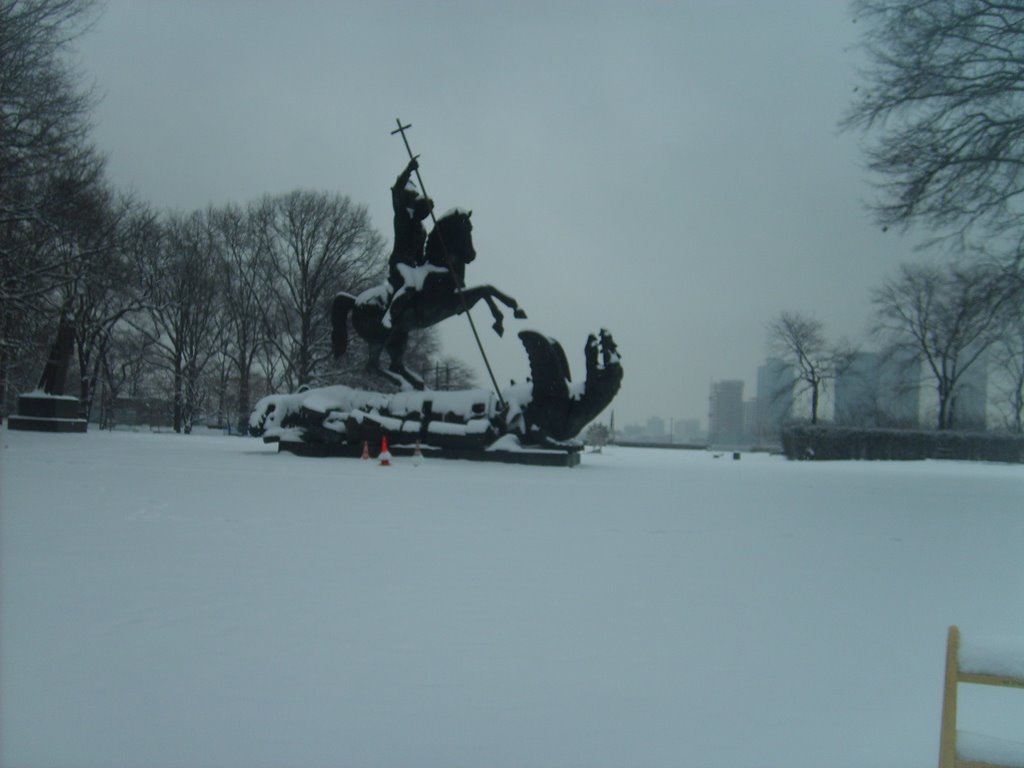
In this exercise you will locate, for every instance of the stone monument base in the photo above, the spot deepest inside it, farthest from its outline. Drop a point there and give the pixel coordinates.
(40, 412)
(531, 456)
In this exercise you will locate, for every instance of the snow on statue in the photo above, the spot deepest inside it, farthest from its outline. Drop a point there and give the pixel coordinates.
(546, 412)
(425, 286)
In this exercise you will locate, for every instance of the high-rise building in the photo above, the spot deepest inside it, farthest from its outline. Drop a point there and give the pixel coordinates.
(656, 428)
(725, 413)
(686, 431)
(857, 391)
(899, 387)
(970, 397)
(751, 420)
(878, 390)
(775, 382)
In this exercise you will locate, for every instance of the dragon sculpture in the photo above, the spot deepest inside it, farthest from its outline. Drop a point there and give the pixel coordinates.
(546, 412)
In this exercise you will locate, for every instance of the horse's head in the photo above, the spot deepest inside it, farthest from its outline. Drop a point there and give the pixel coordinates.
(451, 238)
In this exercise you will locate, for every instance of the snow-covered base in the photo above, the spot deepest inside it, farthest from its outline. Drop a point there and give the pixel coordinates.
(329, 408)
(202, 601)
(334, 420)
(506, 449)
(40, 394)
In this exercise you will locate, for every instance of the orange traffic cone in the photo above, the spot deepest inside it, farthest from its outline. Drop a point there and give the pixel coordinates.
(366, 451)
(385, 454)
(417, 455)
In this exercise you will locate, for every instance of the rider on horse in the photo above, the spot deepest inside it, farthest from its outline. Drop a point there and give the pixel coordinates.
(425, 284)
(411, 208)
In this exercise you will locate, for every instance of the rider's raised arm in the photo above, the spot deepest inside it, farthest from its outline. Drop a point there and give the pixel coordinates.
(406, 200)
(402, 182)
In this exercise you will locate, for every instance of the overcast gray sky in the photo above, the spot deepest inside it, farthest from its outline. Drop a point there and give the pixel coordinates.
(670, 171)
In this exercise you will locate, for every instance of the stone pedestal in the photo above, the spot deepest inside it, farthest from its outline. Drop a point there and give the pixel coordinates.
(40, 412)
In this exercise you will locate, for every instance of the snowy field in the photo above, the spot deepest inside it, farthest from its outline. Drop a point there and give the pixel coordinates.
(202, 601)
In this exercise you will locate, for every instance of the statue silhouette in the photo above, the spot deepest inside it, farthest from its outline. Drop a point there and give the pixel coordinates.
(410, 209)
(548, 411)
(430, 292)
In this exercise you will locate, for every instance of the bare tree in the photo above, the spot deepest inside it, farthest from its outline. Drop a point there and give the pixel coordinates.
(246, 294)
(949, 317)
(316, 245)
(800, 341)
(43, 254)
(451, 373)
(125, 368)
(426, 356)
(181, 320)
(1008, 361)
(43, 111)
(943, 96)
(45, 115)
(44, 158)
(109, 286)
(597, 435)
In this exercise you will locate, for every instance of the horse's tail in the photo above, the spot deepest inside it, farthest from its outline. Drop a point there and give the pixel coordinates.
(340, 308)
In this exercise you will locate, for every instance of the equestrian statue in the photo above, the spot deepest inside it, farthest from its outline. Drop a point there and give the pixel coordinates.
(426, 275)
(425, 285)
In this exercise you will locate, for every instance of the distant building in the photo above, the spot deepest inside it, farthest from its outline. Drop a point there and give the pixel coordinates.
(750, 414)
(878, 390)
(686, 431)
(725, 413)
(632, 432)
(899, 385)
(656, 428)
(970, 397)
(775, 383)
(857, 391)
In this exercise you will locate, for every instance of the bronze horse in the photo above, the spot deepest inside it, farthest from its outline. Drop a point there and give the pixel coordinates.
(432, 292)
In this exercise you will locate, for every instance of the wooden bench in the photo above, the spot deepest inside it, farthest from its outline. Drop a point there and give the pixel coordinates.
(1002, 667)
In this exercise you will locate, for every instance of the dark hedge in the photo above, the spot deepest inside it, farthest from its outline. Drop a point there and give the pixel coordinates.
(825, 443)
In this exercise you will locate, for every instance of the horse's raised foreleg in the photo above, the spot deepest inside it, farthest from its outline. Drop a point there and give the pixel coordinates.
(499, 319)
(508, 301)
(489, 293)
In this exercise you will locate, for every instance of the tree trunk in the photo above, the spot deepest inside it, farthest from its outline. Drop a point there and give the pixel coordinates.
(189, 414)
(1017, 404)
(179, 386)
(94, 386)
(88, 376)
(85, 401)
(945, 409)
(106, 407)
(243, 399)
(3, 383)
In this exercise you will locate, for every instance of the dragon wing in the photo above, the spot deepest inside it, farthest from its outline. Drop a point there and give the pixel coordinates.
(548, 367)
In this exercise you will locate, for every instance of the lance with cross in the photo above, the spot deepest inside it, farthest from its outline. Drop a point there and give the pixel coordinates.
(401, 129)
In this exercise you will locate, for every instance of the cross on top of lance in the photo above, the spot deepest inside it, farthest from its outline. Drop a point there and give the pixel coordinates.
(401, 128)
(405, 140)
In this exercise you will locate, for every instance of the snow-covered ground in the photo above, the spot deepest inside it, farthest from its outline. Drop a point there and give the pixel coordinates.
(202, 601)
